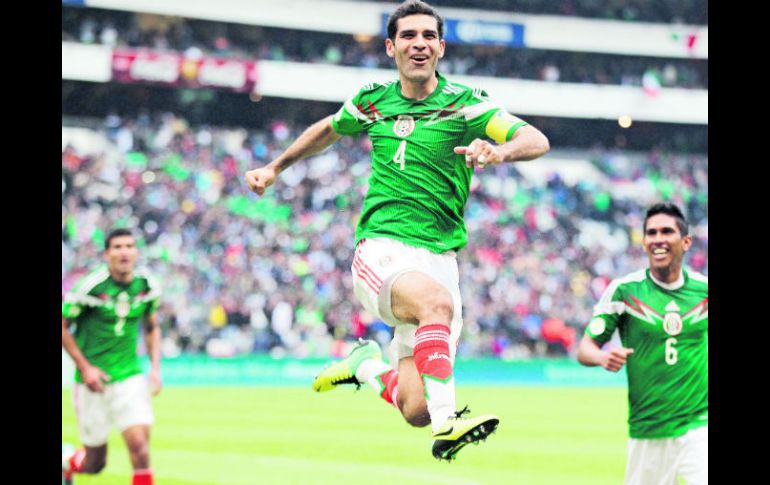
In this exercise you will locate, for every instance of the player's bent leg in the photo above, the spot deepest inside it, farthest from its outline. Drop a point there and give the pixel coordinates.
(417, 297)
(344, 371)
(89, 459)
(94, 426)
(411, 394)
(95, 460)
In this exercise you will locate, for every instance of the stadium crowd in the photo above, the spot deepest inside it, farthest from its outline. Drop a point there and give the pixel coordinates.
(242, 274)
(196, 38)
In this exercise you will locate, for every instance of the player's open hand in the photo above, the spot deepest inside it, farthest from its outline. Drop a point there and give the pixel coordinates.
(616, 358)
(94, 378)
(156, 383)
(480, 153)
(260, 179)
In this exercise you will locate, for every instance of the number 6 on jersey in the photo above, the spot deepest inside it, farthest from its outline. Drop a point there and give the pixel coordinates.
(671, 353)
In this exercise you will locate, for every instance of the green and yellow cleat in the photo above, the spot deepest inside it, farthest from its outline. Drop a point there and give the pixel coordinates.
(344, 371)
(459, 431)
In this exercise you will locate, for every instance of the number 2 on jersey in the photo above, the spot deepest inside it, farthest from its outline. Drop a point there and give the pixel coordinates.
(399, 157)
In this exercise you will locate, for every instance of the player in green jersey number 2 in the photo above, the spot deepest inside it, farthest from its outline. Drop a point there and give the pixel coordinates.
(107, 306)
(428, 135)
(661, 314)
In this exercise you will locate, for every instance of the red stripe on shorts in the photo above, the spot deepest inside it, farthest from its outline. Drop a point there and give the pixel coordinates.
(365, 276)
(365, 267)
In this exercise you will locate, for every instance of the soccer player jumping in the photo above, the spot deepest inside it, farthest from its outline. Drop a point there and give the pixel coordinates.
(428, 135)
(108, 305)
(661, 314)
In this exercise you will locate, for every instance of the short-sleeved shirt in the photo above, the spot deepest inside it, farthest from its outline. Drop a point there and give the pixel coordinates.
(418, 186)
(107, 315)
(667, 326)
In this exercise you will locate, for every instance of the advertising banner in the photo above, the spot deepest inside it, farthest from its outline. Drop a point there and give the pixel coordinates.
(173, 69)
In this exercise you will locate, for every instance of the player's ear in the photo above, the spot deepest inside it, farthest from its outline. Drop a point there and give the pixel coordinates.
(390, 49)
(442, 44)
(687, 242)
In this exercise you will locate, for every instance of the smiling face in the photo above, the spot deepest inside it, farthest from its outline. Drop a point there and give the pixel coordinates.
(416, 48)
(121, 256)
(665, 246)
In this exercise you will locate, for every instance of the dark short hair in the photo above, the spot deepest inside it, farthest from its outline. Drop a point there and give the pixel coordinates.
(116, 233)
(669, 209)
(413, 7)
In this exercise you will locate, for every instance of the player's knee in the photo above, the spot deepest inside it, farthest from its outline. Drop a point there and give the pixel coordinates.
(94, 462)
(415, 412)
(418, 419)
(438, 308)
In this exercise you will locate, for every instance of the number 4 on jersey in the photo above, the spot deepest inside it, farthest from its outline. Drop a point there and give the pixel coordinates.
(399, 157)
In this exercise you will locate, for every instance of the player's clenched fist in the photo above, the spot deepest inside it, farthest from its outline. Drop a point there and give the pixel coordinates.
(479, 153)
(260, 179)
(616, 359)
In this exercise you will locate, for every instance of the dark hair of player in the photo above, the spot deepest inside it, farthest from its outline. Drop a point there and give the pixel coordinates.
(116, 233)
(670, 209)
(413, 7)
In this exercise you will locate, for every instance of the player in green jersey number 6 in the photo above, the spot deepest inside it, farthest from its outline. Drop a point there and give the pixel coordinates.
(661, 314)
(107, 306)
(428, 135)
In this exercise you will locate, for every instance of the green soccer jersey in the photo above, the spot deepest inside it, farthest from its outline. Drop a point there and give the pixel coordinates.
(418, 186)
(108, 315)
(667, 326)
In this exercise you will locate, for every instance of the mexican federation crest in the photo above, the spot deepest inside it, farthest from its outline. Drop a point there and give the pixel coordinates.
(672, 322)
(404, 126)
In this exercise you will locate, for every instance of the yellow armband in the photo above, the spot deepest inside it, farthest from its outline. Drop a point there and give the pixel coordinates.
(502, 125)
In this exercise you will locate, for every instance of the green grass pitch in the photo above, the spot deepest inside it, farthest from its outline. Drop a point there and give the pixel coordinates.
(284, 436)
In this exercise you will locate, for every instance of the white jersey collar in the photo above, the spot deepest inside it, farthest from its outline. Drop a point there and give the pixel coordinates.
(670, 286)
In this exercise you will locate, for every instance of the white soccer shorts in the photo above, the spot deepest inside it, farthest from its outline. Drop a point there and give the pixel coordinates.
(662, 461)
(123, 404)
(376, 265)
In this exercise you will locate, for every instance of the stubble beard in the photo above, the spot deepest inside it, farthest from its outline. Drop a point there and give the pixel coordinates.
(417, 75)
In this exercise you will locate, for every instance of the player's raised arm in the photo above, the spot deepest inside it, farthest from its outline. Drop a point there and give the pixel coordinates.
(590, 354)
(314, 139)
